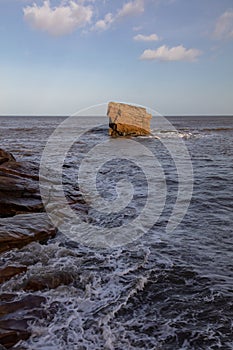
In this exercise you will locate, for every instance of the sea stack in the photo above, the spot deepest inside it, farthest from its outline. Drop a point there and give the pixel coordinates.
(128, 120)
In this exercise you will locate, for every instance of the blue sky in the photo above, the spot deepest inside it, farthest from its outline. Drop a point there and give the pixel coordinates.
(57, 56)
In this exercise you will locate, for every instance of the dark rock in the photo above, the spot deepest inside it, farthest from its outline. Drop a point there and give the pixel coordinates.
(20, 191)
(9, 338)
(7, 297)
(22, 229)
(22, 169)
(48, 280)
(9, 271)
(22, 222)
(5, 156)
(26, 303)
(15, 315)
(19, 188)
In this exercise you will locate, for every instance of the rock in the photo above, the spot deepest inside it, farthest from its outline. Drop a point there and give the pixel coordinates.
(5, 156)
(48, 280)
(9, 271)
(19, 230)
(28, 303)
(126, 120)
(7, 297)
(15, 315)
(19, 189)
(10, 337)
(22, 169)
(22, 222)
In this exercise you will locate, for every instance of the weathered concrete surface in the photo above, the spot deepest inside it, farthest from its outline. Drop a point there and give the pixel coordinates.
(126, 120)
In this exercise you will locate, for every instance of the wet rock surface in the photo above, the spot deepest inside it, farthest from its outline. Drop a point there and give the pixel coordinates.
(19, 188)
(22, 229)
(22, 222)
(5, 156)
(10, 271)
(15, 315)
(48, 280)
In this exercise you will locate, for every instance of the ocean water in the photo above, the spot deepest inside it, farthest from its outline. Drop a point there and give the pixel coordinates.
(159, 289)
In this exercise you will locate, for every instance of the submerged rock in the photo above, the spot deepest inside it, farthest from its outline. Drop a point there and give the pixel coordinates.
(126, 120)
(22, 229)
(48, 280)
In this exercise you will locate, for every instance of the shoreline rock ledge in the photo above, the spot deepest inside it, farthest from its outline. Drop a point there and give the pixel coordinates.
(128, 120)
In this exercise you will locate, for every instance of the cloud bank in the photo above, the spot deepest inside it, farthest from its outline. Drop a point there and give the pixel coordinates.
(60, 20)
(177, 53)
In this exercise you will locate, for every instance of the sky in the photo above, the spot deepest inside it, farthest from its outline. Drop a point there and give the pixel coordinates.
(174, 56)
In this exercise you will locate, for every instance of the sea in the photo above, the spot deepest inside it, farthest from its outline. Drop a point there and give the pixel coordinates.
(162, 281)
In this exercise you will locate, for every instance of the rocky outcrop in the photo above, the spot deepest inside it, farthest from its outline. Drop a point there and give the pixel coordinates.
(22, 221)
(19, 188)
(126, 120)
(5, 156)
(16, 314)
(22, 229)
(48, 280)
(20, 206)
(10, 271)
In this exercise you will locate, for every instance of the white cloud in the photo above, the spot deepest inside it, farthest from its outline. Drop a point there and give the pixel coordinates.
(59, 20)
(141, 37)
(105, 23)
(177, 53)
(131, 8)
(224, 26)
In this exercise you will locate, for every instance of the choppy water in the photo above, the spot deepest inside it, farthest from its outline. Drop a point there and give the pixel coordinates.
(162, 291)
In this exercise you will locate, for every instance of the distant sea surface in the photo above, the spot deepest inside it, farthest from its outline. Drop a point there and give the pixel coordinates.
(163, 291)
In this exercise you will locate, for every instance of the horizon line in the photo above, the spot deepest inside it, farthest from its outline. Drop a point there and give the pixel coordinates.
(67, 116)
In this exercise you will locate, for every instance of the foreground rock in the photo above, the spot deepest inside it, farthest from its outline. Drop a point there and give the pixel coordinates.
(126, 120)
(5, 156)
(48, 280)
(10, 271)
(22, 229)
(16, 314)
(22, 222)
(19, 186)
